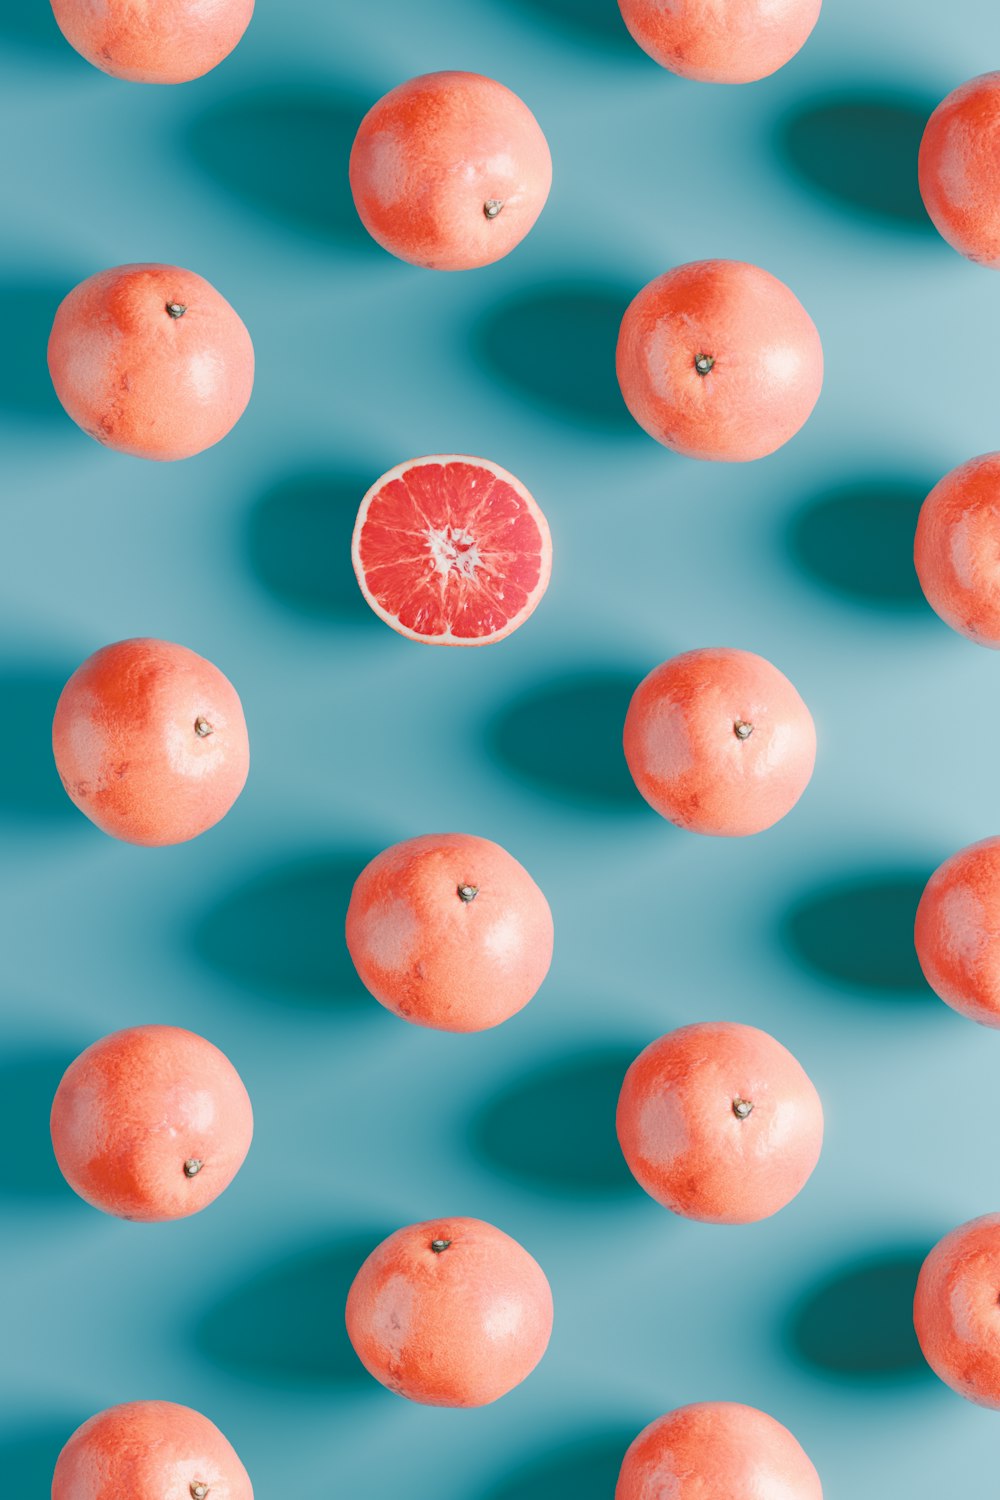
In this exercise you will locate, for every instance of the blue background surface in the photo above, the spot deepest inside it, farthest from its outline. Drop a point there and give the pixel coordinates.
(361, 738)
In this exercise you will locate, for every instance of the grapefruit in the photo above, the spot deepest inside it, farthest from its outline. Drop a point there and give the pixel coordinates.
(956, 1312)
(171, 41)
(449, 171)
(718, 741)
(959, 169)
(718, 359)
(721, 41)
(957, 932)
(714, 1450)
(151, 360)
(719, 1122)
(451, 550)
(151, 1123)
(956, 551)
(150, 742)
(149, 1450)
(449, 931)
(450, 1312)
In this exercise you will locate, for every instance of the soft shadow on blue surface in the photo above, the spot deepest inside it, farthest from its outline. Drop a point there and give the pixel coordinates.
(27, 308)
(857, 147)
(281, 935)
(553, 1127)
(856, 1324)
(29, 25)
(31, 794)
(581, 1468)
(562, 737)
(298, 541)
(553, 345)
(858, 931)
(28, 1082)
(593, 23)
(283, 152)
(856, 539)
(28, 1456)
(284, 1326)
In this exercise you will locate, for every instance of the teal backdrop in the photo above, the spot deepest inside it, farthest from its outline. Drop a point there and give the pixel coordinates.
(360, 738)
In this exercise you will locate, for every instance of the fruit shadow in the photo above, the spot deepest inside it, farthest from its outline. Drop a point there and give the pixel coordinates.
(28, 1082)
(856, 540)
(553, 1128)
(856, 1323)
(280, 936)
(553, 345)
(28, 1458)
(856, 147)
(298, 545)
(562, 738)
(858, 931)
(284, 1325)
(592, 23)
(31, 794)
(27, 308)
(584, 1467)
(32, 28)
(282, 152)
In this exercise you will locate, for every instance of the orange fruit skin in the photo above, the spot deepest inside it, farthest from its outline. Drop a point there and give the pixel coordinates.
(457, 1328)
(432, 153)
(767, 369)
(128, 750)
(135, 1107)
(143, 382)
(683, 1140)
(716, 1449)
(171, 41)
(955, 1311)
(149, 1450)
(959, 169)
(436, 959)
(956, 550)
(957, 932)
(687, 758)
(735, 42)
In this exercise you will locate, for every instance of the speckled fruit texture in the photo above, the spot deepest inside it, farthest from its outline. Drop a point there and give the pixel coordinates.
(149, 1450)
(737, 41)
(957, 549)
(956, 1312)
(715, 1450)
(957, 931)
(170, 41)
(959, 169)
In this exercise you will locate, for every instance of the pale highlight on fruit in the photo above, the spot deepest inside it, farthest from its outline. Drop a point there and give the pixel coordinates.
(153, 41)
(151, 1123)
(719, 742)
(956, 1311)
(449, 171)
(956, 550)
(716, 1449)
(150, 742)
(957, 932)
(150, 360)
(959, 169)
(450, 1312)
(718, 359)
(451, 550)
(449, 931)
(721, 41)
(719, 1122)
(149, 1450)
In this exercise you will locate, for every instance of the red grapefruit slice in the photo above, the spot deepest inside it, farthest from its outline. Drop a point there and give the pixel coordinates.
(451, 550)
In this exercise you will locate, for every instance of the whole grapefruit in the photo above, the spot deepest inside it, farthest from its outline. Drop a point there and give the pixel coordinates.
(956, 551)
(959, 169)
(451, 1312)
(956, 1312)
(957, 931)
(714, 1450)
(171, 41)
(149, 1450)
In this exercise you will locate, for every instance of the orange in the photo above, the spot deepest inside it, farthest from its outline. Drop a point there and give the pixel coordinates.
(718, 359)
(151, 360)
(170, 41)
(717, 1450)
(718, 1121)
(449, 171)
(957, 932)
(955, 1310)
(150, 742)
(149, 1450)
(959, 169)
(451, 550)
(451, 1312)
(957, 549)
(721, 41)
(718, 741)
(449, 931)
(151, 1123)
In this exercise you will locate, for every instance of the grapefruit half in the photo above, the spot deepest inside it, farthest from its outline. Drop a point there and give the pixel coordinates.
(451, 550)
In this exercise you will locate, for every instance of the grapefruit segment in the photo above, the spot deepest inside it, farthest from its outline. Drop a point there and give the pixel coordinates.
(451, 550)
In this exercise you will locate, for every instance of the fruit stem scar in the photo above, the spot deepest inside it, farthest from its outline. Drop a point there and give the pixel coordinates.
(198, 1490)
(492, 207)
(468, 892)
(438, 1245)
(192, 1166)
(202, 727)
(176, 309)
(742, 729)
(742, 1108)
(703, 363)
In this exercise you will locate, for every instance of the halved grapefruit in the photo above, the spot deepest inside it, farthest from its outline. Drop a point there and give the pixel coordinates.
(451, 550)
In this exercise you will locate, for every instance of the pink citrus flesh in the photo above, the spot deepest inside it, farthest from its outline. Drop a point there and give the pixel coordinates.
(449, 171)
(450, 1312)
(957, 932)
(714, 1450)
(451, 550)
(736, 42)
(956, 550)
(956, 1312)
(959, 169)
(172, 41)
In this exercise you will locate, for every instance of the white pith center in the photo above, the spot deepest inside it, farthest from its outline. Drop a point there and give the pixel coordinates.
(453, 549)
